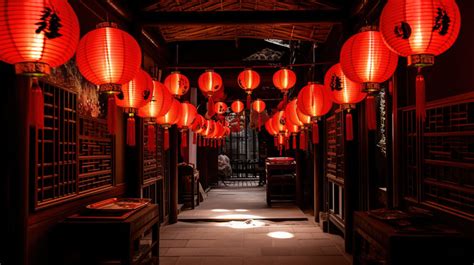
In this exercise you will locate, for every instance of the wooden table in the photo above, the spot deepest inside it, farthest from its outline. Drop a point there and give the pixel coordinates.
(130, 239)
(424, 242)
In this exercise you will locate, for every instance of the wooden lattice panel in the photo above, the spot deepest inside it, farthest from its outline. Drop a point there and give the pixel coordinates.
(152, 161)
(95, 155)
(408, 152)
(55, 147)
(335, 147)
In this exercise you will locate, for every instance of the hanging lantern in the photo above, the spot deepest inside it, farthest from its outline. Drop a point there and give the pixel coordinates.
(248, 80)
(209, 83)
(160, 103)
(134, 95)
(259, 106)
(166, 121)
(271, 130)
(279, 121)
(208, 129)
(177, 84)
(108, 57)
(296, 117)
(420, 30)
(187, 116)
(220, 108)
(237, 107)
(293, 130)
(284, 79)
(196, 127)
(35, 36)
(366, 59)
(344, 92)
(314, 100)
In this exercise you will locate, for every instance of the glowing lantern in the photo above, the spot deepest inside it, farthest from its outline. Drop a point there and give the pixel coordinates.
(197, 128)
(248, 80)
(220, 108)
(284, 79)
(108, 57)
(177, 84)
(35, 36)
(344, 92)
(187, 116)
(271, 130)
(166, 121)
(134, 95)
(208, 129)
(279, 122)
(237, 107)
(420, 30)
(293, 130)
(160, 103)
(366, 59)
(296, 117)
(259, 106)
(314, 100)
(209, 83)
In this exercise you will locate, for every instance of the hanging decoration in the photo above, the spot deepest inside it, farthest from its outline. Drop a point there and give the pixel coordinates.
(420, 30)
(220, 108)
(108, 57)
(209, 83)
(314, 100)
(293, 116)
(284, 79)
(134, 95)
(166, 121)
(208, 130)
(248, 80)
(366, 59)
(272, 131)
(187, 116)
(177, 84)
(35, 36)
(344, 92)
(237, 107)
(160, 103)
(259, 106)
(293, 130)
(197, 127)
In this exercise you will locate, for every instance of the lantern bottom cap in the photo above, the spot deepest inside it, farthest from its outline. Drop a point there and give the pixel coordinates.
(421, 60)
(32, 69)
(370, 87)
(130, 110)
(110, 88)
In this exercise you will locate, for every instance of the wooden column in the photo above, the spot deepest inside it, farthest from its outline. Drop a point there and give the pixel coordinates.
(350, 183)
(316, 183)
(173, 169)
(299, 175)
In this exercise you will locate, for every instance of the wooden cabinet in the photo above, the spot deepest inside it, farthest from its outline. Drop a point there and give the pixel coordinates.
(281, 179)
(132, 239)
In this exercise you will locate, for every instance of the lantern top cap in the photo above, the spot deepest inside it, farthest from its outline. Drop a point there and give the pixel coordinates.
(107, 24)
(209, 70)
(176, 72)
(369, 28)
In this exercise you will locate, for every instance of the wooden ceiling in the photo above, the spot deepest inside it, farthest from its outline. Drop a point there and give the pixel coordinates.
(316, 31)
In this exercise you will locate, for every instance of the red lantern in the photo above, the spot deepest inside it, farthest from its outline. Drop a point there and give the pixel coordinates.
(271, 130)
(166, 121)
(187, 116)
(209, 83)
(160, 103)
(248, 80)
(420, 30)
(314, 100)
(344, 92)
(259, 106)
(220, 108)
(296, 117)
(35, 36)
(134, 95)
(293, 129)
(366, 59)
(196, 127)
(279, 122)
(237, 106)
(284, 79)
(177, 84)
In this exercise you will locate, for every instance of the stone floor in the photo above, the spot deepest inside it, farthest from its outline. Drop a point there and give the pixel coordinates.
(250, 242)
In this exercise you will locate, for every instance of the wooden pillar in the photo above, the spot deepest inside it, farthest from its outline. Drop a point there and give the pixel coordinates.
(299, 175)
(173, 169)
(316, 183)
(350, 183)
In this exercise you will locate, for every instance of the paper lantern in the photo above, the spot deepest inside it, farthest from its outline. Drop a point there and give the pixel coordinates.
(36, 35)
(271, 130)
(279, 122)
(220, 108)
(237, 106)
(296, 117)
(166, 121)
(284, 79)
(344, 92)
(196, 127)
(293, 130)
(420, 30)
(177, 84)
(209, 83)
(187, 115)
(259, 106)
(248, 80)
(134, 95)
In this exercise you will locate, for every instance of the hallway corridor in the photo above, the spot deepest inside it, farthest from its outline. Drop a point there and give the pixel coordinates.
(251, 242)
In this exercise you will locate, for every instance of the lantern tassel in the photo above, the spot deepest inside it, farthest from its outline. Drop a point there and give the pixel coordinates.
(302, 140)
(275, 141)
(349, 127)
(166, 144)
(111, 114)
(210, 106)
(315, 132)
(287, 143)
(249, 98)
(184, 139)
(194, 138)
(131, 131)
(420, 96)
(36, 105)
(151, 138)
(370, 113)
(294, 141)
(285, 100)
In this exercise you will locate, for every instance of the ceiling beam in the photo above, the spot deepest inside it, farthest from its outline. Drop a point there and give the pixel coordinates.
(240, 17)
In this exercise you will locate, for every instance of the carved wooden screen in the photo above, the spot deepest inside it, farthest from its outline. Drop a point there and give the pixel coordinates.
(152, 166)
(446, 180)
(72, 155)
